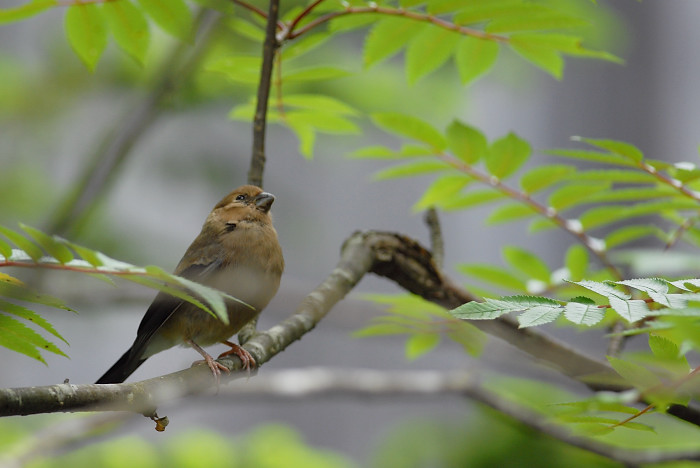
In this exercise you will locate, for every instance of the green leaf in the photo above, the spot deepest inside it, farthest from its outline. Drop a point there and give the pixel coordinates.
(657, 289)
(537, 22)
(629, 234)
(239, 68)
(51, 245)
(592, 156)
(604, 289)
(471, 199)
(350, 22)
(319, 73)
(613, 175)
(506, 155)
(129, 27)
(576, 262)
(637, 375)
(306, 135)
(541, 177)
(475, 57)
(483, 11)
(173, 16)
(467, 143)
(16, 337)
(487, 310)
(420, 344)
(410, 169)
(20, 292)
(87, 33)
(509, 212)
(318, 102)
(89, 255)
(298, 47)
(618, 148)
(571, 195)
(444, 187)
(410, 127)
(583, 314)
(632, 194)
(375, 152)
(539, 315)
(30, 316)
(388, 37)
(381, 329)
(631, 310)
(528, 263)
(5, 249)
(665, 349)
(545, 57)
(11, 15)
(246, 29)
(322, 121)
(23, 243)
(602, 215)
(429, 49)
(471, 338)
(494, 275)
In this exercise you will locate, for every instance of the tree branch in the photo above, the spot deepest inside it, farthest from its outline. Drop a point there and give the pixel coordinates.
(270, 46)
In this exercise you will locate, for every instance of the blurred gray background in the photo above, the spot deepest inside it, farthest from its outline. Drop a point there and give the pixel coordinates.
(193, 156)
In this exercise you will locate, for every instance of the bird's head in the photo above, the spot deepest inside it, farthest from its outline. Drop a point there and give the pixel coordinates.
(246, 204)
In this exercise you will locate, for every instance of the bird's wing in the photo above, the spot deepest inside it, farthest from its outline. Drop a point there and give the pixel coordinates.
(164, 305)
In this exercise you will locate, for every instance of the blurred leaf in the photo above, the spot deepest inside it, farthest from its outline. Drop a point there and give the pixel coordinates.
(173, 16)
(639, 376)
(613, 175)
(571, 195)
(23, 243)
(53, 247)
(576, 262)
(411, 169)
(538, 22)
(87, 33)
(494, 275)
(247, 29)
(21, 292)
(510, 212)
(467, 143)
(592, 156)
(528, 263)
(475, 57)
(318, 102)
(322, 121)
(22, 339)
(444, 187)
(630, 233)
(542, 56)
(238, 68)
(471, 199)
(10, 15)
(388, 37)
(506, 155)
(319, 73)
(30, 316)
(419, 344)
(619, 148)
(428, 50)
(304, 45)
(541, 177)
(5, 249)
(129, 27)
(410, 127)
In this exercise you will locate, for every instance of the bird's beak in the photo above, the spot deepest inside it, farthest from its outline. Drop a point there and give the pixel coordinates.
(263, 201)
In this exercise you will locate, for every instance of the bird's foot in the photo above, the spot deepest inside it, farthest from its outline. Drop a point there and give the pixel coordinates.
(246, 358)
(216, 367)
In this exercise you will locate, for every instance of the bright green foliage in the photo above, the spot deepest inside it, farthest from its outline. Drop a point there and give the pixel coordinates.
(542, 177)
(442, 188)
(387, 38)
(465, 142)
(475, 57)
(527, 262)
(10, 15)
(129, 28)
(87, 32)
(506, 155)
(411, 127)
(173, 16)
(429, 49)
(18, 337)
(423, 323)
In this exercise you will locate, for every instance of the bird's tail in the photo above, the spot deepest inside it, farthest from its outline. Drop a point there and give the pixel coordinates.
(121, 369)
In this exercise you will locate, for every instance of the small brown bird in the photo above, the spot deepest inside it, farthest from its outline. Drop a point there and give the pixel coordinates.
(236, 252)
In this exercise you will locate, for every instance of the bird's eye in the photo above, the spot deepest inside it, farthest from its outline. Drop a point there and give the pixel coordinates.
(240, 197)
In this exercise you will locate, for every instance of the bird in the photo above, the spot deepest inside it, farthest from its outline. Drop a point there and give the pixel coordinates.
(237, 252)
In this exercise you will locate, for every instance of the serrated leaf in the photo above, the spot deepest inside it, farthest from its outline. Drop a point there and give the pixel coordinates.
(11, 15)
(487, 310)
(467, 143)
(387, 38)
(506, 155)
(20, 292)
(410, 169)
(89, 255)
(13, 336)
(571, 195)
(471, 199)
(540, 178)
(173, 16)
(631, 310)
(23, 243)
(52, 246)
(665, 349)
(428, 50)
(442, 188)
(583, 314)
(419, 344)
(86, 32)
(618, 148)
(30, 316)
(129, 28)
(637, 375)
(527, 262)
(576, 262)
(474, 57)
(542, 56)
(539, 316)
(494, 275)
(657, 289)
(509, 212)
(604, 289)
(410, 127)
(318, 73)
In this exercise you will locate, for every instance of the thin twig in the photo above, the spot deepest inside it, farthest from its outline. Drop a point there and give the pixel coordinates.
(306, 11)
(291, 34)
(270, 46)
(437, 243)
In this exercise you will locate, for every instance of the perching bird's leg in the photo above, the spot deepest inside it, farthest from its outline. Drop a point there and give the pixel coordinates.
(245, 357)
(215, 367)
